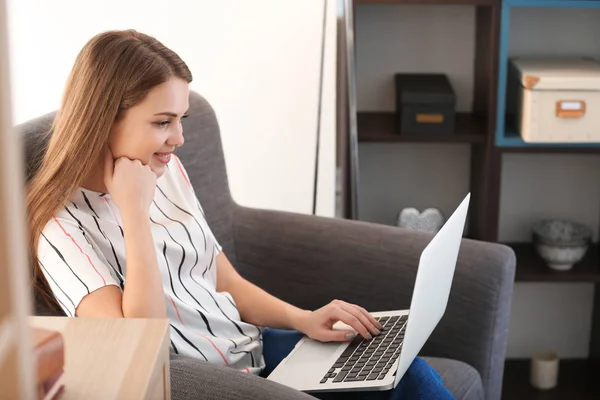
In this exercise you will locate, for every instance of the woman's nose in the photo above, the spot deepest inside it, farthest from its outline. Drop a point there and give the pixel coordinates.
(177, 139)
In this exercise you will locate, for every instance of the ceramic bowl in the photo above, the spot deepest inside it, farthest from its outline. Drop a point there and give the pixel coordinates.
(560, 243)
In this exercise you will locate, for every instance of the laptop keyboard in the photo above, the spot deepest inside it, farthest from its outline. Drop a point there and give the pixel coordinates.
(370, 359)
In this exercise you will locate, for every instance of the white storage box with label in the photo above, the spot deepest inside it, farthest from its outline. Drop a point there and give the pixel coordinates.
(556, 100)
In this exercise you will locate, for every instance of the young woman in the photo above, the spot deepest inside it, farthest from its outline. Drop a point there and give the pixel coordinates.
(116, 227)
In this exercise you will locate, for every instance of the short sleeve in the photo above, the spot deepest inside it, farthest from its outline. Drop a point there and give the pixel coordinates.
(70, 264)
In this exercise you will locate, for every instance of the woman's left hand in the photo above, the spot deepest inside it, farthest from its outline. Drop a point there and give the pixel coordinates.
(318, 324)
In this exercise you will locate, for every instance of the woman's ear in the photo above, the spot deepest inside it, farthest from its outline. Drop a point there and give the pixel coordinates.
(113, 134)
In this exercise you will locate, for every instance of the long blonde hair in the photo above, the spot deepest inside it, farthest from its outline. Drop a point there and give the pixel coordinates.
(112, 73)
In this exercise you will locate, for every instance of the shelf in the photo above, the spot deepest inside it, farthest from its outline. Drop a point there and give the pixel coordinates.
(531, 267)
(512, 142)
(577, 379)
(380, 127)
(431, 2)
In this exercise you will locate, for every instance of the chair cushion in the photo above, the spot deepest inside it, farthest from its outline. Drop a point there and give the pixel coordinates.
(192, 379)
(462, 380)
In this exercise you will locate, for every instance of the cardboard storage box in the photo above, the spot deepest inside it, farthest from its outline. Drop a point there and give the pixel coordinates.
(556, 100)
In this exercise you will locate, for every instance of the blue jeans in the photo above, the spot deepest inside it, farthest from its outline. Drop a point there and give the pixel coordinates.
(421, 382)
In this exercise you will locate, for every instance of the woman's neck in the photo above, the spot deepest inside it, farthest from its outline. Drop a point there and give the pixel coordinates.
(95, 182)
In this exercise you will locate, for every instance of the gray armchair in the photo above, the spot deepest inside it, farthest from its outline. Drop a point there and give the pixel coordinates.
(309, 261)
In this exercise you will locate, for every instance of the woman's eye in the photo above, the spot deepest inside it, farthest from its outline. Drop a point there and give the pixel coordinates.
(162, 124)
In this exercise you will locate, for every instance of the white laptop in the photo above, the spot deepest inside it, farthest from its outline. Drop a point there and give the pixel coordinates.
(380, 363)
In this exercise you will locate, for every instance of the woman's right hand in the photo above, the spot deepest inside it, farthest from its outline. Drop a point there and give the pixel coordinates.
(130, 184)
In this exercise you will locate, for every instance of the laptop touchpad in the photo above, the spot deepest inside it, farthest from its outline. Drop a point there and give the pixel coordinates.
(311, 351)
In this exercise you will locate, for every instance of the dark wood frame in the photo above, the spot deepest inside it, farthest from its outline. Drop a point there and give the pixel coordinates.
(476, 128)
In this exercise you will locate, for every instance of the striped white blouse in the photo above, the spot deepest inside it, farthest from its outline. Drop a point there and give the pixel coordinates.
(82, 249)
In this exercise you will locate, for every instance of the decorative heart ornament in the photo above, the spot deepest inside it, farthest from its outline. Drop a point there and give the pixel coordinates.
(430, 220)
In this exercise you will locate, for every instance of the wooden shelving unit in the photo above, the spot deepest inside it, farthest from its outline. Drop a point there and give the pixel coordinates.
(475, 128)
(491, 135)
(577, 377)
(531, 267)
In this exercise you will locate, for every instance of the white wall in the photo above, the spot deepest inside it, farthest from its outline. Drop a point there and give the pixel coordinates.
(394, 38)
(256, 62)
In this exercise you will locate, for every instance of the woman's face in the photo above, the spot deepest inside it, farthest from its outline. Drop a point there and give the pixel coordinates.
(151, 130)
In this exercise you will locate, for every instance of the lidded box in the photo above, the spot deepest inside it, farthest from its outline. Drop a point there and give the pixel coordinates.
(424, 104)
(556, 99)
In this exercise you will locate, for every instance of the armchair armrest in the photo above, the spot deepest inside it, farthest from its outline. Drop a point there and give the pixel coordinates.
(192, 379)
(308, 261)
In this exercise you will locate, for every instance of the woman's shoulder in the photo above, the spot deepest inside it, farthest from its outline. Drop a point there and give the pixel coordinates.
(62, 230)
(70, 216)
(82, 212)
